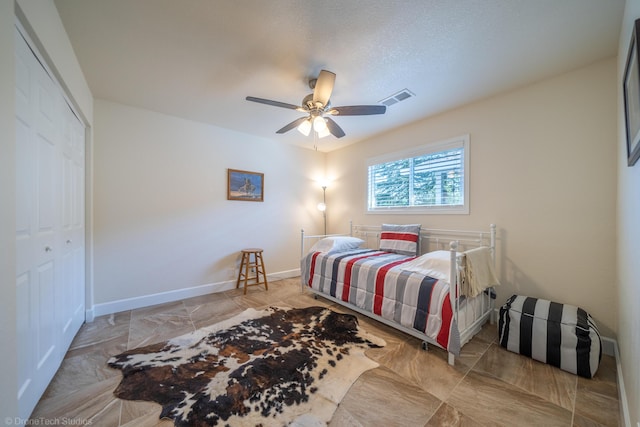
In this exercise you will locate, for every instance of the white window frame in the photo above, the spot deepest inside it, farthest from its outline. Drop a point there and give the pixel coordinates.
(457, 142)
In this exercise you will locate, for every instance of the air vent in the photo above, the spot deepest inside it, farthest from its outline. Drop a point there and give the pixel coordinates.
(397, 97)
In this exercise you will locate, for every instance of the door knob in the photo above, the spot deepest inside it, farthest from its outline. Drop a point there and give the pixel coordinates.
(48, 249)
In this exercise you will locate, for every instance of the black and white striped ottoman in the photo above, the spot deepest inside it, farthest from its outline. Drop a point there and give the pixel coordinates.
(561, 335)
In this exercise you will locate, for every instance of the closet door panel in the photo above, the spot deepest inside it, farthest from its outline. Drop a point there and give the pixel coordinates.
(44, 306)
(77, 244)
(25, 252)
(25, 188)
(72, 227)
(49, 226)
(37, 179)
(46, 181)
(26, 333)
(46, 244)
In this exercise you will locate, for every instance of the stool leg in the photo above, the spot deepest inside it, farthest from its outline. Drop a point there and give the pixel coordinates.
(240, 270)
(264, 274)
(246, 272)
(255, 279)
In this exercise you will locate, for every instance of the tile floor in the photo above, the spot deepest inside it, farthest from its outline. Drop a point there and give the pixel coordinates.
(488, 386)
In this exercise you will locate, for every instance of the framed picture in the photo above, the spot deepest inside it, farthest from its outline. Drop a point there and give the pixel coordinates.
(244, 185)
(631, 89)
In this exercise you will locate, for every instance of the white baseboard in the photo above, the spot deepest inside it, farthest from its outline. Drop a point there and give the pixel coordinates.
(609, 347)
(160, 298)
(283, 275)
(622, 394)
(170, 296)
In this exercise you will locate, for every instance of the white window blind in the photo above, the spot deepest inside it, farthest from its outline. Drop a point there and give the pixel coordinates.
(431, 178)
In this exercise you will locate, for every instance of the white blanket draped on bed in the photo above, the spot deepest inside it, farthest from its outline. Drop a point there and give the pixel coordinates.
(479, 272)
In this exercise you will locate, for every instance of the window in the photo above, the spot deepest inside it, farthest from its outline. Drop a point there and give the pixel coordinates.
(428, 179)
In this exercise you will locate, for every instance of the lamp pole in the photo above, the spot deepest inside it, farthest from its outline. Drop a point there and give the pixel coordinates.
(324, 211)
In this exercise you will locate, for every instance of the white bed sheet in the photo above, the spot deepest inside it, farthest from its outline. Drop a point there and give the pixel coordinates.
(470, 310)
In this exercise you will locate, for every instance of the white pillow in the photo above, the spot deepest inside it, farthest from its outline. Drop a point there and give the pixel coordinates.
(434, 264)
(336, 243)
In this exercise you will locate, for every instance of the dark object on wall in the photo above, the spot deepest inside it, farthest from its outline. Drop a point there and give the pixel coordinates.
(244, 185)
(631, 89)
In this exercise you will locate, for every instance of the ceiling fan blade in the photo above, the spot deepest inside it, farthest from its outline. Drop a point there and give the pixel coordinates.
(274, 103)
(293, 124)
(324, 87)
(358, 110)
(334, 128)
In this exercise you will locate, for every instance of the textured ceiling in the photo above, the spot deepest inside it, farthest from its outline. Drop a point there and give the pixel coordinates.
(199, 59)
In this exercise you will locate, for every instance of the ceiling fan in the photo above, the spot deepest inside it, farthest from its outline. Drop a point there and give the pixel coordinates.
(317, 106)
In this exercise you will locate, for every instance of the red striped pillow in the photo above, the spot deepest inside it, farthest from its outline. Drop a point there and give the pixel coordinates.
(400, 239)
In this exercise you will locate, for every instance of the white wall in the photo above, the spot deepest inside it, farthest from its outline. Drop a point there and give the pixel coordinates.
(542, 164)
(162, 222)
(8, 367)
(628, 238)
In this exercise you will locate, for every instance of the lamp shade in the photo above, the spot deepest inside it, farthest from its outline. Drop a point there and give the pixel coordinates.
(322, 207)
(324, 132)
(305, 127)
(319, 124)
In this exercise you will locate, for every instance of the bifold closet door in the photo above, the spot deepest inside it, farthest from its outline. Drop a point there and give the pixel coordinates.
(71, 297)
(49, 226)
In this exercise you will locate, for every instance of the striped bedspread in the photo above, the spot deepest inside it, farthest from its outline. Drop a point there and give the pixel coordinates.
(374, 281)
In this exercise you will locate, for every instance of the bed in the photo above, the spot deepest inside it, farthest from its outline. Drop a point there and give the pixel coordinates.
(401, 276)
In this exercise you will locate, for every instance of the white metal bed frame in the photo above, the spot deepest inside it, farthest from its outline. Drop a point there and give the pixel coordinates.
(456, 241)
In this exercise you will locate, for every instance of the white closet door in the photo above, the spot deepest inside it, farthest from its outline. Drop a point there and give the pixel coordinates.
(70, 299)
(50, 213)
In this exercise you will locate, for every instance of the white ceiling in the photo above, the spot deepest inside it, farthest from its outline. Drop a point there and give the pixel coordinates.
(199, 59)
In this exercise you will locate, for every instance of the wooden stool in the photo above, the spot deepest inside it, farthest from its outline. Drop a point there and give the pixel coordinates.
(258, 266)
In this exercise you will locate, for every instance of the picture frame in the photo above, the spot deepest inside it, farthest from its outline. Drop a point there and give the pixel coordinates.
(244, 185)
(631, 90)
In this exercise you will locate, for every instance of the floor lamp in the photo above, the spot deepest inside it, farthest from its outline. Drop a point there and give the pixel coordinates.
(322, 207)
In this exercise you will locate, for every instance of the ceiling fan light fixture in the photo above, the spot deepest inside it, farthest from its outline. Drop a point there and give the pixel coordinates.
(318, 104)
(305, 127)
(324, 132)
(319, 124)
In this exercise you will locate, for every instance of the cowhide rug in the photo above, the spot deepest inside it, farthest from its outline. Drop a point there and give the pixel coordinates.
(271, 367)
